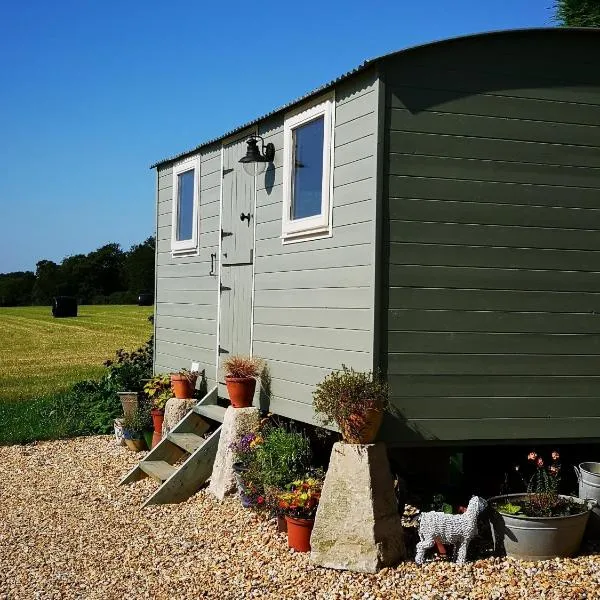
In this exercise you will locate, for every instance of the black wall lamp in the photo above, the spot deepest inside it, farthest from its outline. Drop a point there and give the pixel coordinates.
(254, 162)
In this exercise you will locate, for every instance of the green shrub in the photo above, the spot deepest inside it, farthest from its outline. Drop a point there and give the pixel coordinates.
(284, 455)
(88, 408)
(129, 369)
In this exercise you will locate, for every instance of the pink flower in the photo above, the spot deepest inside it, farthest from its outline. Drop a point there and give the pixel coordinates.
(540, 462)
(555, 455)
(531, 456)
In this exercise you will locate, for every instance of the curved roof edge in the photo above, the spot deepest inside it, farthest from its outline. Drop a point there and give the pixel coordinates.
(366, 64)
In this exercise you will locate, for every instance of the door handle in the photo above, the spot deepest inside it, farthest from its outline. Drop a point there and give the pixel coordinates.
(243, 217)
(213, 257)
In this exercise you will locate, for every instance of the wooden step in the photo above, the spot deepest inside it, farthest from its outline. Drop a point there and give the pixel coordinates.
(188, 441)
(210, 411)
(191, 475)
(157, 469)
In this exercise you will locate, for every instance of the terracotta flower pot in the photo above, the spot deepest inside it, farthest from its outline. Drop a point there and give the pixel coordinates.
(182, 387)
(281, 524)
(299, 531)
(240, 390)
(158, 416)
(363, 428)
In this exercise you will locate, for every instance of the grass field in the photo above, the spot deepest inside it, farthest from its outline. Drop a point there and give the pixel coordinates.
(41, 355)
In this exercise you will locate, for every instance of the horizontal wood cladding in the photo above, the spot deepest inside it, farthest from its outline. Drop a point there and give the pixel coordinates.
(495, 387)
(313, 299)
(546, 365)
(440, 188)
(485, 407)
(477, 429)
(186, 294)
(493, 321)
(493, 300)
(467, 146)
(407, 253)
(491, 239)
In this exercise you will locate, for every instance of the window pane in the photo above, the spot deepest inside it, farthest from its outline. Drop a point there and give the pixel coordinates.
(185, 205)
(308, 169)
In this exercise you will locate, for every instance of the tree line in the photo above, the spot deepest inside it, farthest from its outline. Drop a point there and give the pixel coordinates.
(107, 275)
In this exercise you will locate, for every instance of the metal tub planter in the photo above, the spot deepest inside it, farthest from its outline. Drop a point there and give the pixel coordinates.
(588, 476)
(538, 538)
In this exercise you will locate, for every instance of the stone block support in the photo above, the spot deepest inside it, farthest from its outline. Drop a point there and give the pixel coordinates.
(357, 526)
(236, 423)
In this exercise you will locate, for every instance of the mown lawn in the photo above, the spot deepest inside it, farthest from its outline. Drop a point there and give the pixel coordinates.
(41, 355)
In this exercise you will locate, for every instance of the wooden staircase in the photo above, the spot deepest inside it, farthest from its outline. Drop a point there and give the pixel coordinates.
(183, 460)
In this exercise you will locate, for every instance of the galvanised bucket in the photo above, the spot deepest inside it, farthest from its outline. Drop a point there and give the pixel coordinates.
(538, 538)
(588, 476)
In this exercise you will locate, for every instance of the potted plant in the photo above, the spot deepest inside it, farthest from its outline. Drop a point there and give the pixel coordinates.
(355, 401)
(133, 428)
(184, 383)
(127, 372)
(158, 392)
(240, 377)
(540, 523)
(299, 503)
(246, 470)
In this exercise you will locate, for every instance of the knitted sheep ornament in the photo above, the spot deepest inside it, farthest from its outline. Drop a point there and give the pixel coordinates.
(458, 530)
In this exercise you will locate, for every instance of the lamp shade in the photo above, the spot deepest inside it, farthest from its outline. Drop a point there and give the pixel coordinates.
(252, 152)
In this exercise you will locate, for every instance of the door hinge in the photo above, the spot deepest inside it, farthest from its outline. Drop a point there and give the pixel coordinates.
(225, 234)
(224, 288)
(227, 171)
(222, 350)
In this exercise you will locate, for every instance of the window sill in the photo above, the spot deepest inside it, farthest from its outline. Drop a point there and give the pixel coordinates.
(306, 236)
(191, 251)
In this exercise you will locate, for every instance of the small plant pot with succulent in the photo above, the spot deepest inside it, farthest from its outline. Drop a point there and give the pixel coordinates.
(183, 383)
(133, 431)
(540, 523)
(299, 502)
(241, 373)
(353, 400)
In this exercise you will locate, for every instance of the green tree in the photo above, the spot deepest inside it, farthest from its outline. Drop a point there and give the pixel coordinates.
(47, 280)
(139, 267)
(578, 13)
(16, 288)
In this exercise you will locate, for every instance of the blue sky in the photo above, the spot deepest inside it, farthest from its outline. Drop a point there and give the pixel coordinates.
(92, 93)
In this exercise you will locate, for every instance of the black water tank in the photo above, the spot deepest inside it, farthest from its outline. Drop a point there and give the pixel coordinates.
(64, 306)
(145, 299)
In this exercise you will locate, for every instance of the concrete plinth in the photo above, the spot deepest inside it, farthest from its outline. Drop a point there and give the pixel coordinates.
(357, 526)
(236, 423)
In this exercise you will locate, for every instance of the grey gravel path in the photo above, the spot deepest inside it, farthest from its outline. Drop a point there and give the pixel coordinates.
(67, 531)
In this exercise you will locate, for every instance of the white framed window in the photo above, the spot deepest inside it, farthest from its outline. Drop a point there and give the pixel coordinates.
(308, 172)
(186, 195)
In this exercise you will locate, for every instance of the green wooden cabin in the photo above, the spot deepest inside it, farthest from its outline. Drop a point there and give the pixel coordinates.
(434, 213)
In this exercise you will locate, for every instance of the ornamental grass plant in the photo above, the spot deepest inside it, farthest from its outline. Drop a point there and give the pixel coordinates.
(241, 367)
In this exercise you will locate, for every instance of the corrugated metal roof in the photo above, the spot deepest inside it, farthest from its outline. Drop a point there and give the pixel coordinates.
(362, 67)
(314, 92)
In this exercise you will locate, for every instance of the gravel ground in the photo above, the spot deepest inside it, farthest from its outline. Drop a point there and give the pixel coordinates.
(68, 531)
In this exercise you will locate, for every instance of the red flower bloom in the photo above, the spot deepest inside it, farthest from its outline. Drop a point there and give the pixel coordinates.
(540, 462)
(555, 455)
